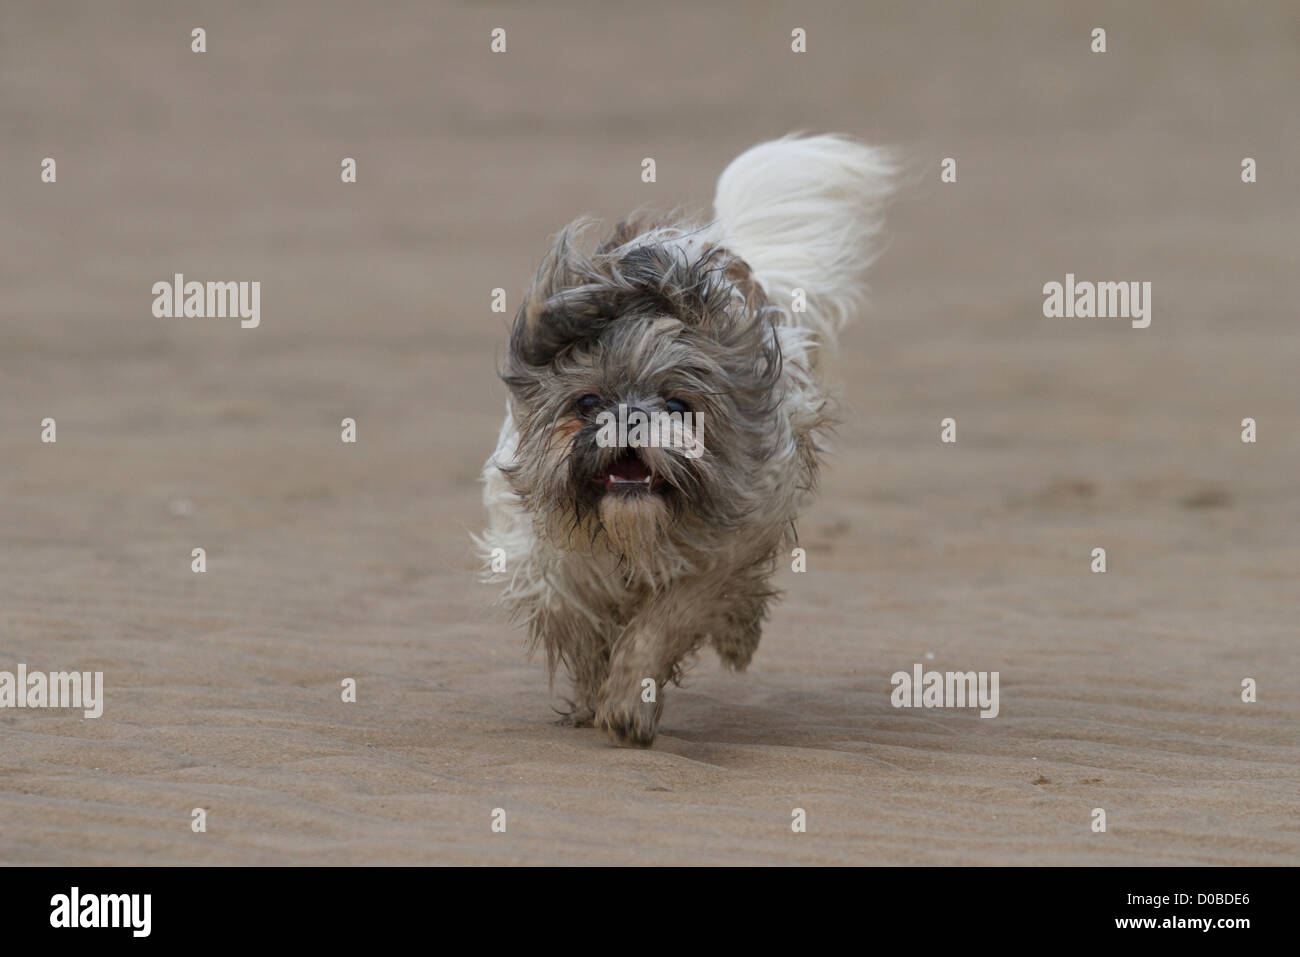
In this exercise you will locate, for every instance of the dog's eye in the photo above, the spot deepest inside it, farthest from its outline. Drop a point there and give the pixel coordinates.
(677, 406)
(588, 403)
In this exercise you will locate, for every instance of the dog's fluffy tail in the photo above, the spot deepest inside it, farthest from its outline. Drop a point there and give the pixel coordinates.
(804, 213)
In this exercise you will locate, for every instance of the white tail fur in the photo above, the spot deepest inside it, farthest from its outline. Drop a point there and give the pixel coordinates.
(803, 212)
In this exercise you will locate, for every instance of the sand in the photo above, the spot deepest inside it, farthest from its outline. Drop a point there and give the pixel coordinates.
(1119, 691)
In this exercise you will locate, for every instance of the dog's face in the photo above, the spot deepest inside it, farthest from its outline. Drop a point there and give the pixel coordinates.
(654, 327)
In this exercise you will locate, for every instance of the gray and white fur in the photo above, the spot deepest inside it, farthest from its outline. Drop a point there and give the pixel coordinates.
(623, 562)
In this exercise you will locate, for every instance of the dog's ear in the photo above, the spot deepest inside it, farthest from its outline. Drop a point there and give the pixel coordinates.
(567, 303)
(742, 277)
(672, 273)
(577, 294)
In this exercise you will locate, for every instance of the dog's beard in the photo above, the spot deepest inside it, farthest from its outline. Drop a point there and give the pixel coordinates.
(659, 510)
(635, 521)
(636, 503)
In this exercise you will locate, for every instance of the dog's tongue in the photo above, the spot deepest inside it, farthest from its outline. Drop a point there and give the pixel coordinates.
(629, 468)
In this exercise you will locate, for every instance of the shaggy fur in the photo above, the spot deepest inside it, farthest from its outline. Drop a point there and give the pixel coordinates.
(622, 583)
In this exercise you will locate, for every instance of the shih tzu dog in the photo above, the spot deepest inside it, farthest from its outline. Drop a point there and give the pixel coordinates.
(664, 422)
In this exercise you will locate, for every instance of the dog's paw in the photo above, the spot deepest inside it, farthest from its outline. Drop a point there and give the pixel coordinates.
(580, 718)
(738, 640)
(630, 724)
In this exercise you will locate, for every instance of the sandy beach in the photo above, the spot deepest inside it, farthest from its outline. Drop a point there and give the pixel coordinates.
(326, 560)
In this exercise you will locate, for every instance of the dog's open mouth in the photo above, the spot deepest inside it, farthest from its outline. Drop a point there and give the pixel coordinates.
(628, 475)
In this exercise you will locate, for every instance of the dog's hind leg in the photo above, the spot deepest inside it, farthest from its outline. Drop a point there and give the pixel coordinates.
(737, 640)
(739, 626)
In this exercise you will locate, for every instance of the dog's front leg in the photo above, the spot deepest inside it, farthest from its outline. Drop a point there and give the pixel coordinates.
(572, 639)
(643, 661)
(588, 667)
(635, 674)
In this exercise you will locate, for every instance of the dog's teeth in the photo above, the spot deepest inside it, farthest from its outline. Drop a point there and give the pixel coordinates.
(617, 480)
